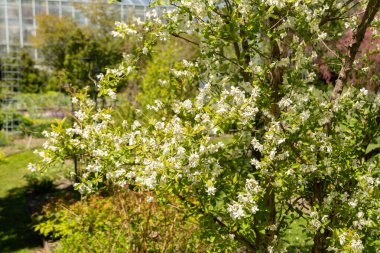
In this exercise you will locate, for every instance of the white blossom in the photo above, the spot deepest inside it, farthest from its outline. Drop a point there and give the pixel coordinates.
(111, 94)
(342, 238)
(236, 211)
(211, 190)
(32, 167)
(364, 91)
(193, 160)
(357, 245)
(80, 115)
(256, 145)
(285, 102)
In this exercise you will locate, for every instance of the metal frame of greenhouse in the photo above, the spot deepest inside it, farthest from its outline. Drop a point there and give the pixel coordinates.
(18, 23)
(10, 85)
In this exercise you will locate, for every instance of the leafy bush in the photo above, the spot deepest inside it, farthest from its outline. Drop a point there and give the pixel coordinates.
(36, 127)
(26, 121)
(39, 183)
(34, 104)
(124, 222)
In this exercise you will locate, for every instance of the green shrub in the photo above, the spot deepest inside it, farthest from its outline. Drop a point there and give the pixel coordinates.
(123, 222)
(26, 121)
(34, 103)
(36, 127)
(39, 183)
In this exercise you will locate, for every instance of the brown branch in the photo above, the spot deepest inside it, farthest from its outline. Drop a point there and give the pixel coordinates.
(237, 235)
(275, 25)
(185, 39)
(327, 18)
(369, 14)
(197, 44)
(372, 153)
(237, 50)
(290, 208)
(223, 16)
(228, 5)
(200, 210)
(340, 16)
(328, 48)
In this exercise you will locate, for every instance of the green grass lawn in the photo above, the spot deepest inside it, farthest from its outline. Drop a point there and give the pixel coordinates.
(16, 234)
(297, 238)
(13, 169)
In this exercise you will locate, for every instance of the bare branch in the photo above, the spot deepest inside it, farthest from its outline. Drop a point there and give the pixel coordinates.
(328, 48)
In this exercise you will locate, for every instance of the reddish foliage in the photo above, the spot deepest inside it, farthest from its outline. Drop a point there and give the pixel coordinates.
(367, 57)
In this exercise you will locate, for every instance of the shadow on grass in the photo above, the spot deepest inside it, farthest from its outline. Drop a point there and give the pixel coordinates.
(16, 231)
(298, 249)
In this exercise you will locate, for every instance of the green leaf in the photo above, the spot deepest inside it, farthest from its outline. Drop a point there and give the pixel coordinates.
(234, 180)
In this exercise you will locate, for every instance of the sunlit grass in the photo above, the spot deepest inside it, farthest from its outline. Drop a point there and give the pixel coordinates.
(15, 231)
(13, 169)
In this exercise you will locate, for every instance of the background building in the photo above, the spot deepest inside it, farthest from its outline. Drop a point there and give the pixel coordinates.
(18, 23)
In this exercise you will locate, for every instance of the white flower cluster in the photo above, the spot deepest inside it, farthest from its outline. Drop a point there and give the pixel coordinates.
(236, 210)
(246, 200)
(156, 107)
(122, 29)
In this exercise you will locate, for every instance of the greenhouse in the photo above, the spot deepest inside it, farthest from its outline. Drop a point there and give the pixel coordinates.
(18, 23)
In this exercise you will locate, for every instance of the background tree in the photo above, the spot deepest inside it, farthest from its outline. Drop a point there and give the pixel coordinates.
(77, 53)
(151, 83)
(32, 79)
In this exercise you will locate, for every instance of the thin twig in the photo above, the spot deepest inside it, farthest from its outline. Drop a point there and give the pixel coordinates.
(328, 48)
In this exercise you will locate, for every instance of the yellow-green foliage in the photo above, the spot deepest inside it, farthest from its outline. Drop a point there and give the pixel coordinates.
(153, 83)
(157, 84)
(2, 156)
(125, 222)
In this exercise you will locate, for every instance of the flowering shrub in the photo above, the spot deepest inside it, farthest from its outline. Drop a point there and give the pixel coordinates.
(263, 144)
